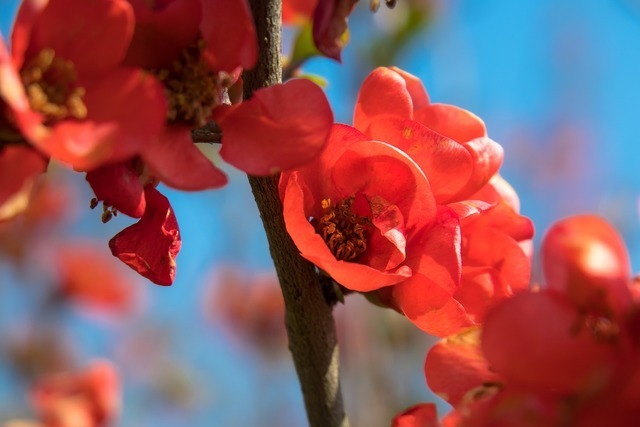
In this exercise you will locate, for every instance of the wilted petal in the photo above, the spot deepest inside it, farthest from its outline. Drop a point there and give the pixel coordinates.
(118, 185)
(330, 25)
(280, 127)
(151, 245)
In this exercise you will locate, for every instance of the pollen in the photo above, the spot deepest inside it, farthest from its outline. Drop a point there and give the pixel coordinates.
(50, 85)
(344, 231)
(108, 211)
(192, 89)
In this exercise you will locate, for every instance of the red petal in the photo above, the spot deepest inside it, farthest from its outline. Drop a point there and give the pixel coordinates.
(19, 167)
(118, 185)
(352, 275)
(125, 110)
(487, 158)
(498, 190)
(21, 33)
(227, 28)
(536, 340)
(297, 11)
(451, 121)
(151, 245)
(101, 27)
(281, 127)
(162, 33)
(421, 415)
(418, 93)
(89, 278)
(383, 92)
(177, 162)
(446, 163)
(330, 24)
(586, 258)
(430, 307)
(456, 365)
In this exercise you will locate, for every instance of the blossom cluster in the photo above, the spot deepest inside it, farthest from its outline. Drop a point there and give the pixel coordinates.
(115, 89)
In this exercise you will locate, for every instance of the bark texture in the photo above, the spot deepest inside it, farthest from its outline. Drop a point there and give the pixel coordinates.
(309, 319)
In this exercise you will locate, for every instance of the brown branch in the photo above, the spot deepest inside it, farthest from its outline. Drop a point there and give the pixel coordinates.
(308, 316)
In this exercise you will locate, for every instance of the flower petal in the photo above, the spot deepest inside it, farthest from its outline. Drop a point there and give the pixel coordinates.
(227, 28)
(330, 26)
(383, 92)
(280, 127)
(421, 415)
(19, 168)
(118, 185)
(162, 33)
(451, 121)
(177, 162)
(151, 245)
(100, 26)
(586, 259)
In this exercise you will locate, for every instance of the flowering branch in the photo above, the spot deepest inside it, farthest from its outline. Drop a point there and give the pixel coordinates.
(308, 317)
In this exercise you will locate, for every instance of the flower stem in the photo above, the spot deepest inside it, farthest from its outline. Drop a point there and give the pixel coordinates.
(308, 317)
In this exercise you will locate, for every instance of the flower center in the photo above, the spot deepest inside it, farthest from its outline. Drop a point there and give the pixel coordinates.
(344, 231)
(49, 83)
(192, 89)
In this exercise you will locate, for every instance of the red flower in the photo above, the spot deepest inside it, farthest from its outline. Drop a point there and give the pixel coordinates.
(19, 168)
(330, 26)
(568, 351)
(87, 399)
(461, 163)
(151, 245)
(89, 278)
(422, 415)
(91, 110)
(298, 11)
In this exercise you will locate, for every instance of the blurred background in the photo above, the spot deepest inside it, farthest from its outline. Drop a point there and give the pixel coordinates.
(557, 84)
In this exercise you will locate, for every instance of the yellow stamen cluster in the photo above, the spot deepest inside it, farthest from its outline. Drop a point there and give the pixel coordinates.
(345, 232)
(49, 83)
(191, 88)
(108, 211)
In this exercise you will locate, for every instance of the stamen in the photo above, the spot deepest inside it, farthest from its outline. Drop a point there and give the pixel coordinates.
(49, 83)
(192, 89)
(602, 329)
(345, 232)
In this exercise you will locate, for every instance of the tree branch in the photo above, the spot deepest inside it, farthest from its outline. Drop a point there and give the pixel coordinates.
(308, 317)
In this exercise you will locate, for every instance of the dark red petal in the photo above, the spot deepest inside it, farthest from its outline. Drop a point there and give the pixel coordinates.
(281, 127)
(538, 341)
(383, 92)
(176, 161)
(227, 28)
(151, 245)
(358, 277)
(93, 35)
(118, 185)
(447, 164)
(456, 365)
(421, 415)
(162, 33)
(330, 25)
(19, 167)
(585, 258)
(125, 110)
(451, 121)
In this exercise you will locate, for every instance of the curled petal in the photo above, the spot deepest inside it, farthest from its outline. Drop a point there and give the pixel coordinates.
(487, 158)
(151, 245)
(118, 185)
(451, 121)
(330, 26)
(280, 127)
(227, 28)
(585, 258)
(456, 365)
(383, 92)
(177, 162)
